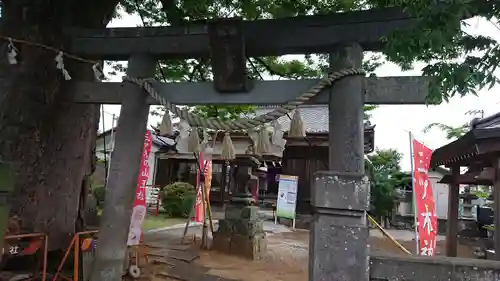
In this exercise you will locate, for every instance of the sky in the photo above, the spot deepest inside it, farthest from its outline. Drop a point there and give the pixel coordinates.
(393, 122)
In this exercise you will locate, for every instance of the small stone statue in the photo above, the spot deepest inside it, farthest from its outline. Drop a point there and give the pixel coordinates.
(241, 180)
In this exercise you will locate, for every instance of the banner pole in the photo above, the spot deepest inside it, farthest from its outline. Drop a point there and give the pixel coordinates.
(415, 211)
(197, 189)
(204, 233)
(191, 213)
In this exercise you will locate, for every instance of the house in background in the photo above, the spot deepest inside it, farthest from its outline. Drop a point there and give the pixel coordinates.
(302, 157)
(315, 117)
(305, 156)
(439, 190)
(468, 203)
(105, 144)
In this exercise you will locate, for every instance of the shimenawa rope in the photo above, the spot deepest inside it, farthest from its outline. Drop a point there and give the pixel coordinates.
(243, 123)
(194, 120)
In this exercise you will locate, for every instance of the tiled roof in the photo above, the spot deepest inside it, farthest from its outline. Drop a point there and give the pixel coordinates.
(492, 121)
(157, 140)
(162, 141)
(315, 117)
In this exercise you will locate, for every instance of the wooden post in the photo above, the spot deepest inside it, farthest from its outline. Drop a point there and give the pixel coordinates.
(339, 233)
(452, 222)
(124, 170)
(204, 231)
(496, 198)
(76, 258)
(223, 188)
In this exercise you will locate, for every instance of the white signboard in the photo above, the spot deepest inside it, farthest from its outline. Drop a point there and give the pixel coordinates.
(287, 197)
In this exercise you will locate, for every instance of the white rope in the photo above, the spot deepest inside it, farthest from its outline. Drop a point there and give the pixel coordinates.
(12, 52)
(60, 65)
(243, 123)
(98, 74)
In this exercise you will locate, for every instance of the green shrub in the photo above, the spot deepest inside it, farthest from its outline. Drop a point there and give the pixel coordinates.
(99, 192)
(177, 199)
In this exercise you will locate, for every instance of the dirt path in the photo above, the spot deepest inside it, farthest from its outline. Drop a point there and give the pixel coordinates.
(287, 259)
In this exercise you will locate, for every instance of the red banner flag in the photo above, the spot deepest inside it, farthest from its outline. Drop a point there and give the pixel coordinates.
(425, 208)
(140, 208)
(206, 167)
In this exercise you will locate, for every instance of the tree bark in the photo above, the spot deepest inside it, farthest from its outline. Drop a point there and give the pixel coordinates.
(48, 136)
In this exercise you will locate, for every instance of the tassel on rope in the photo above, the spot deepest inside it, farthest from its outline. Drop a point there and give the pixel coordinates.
(297, 126)
(194, 141)
(263, 166)
(254, 136)
(184, 129)
(166, 125)
(60, 65)
(228, 151)
(12, 52)
(204, 139)
(264, 143)
(214, 138)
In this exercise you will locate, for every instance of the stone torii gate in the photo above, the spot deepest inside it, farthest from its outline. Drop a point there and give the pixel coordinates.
(339, 237)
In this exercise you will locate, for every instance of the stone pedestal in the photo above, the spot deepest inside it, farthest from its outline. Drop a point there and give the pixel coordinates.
(339, 234)
(241, 232)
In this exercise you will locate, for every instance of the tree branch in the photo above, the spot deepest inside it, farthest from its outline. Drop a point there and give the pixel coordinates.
(255, 68)
(93, 13)
(270, 70)
(174, 14)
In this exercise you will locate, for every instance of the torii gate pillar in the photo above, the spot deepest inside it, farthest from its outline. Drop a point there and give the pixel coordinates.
(123, 174)
(340, 196)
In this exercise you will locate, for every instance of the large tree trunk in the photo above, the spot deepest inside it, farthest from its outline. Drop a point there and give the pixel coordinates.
(48, 136)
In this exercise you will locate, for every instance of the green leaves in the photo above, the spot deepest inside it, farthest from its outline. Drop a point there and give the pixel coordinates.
(386, 160)
(385, 175)
(451, 132)
(460, 62)
(224, 113)
(367, 110)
